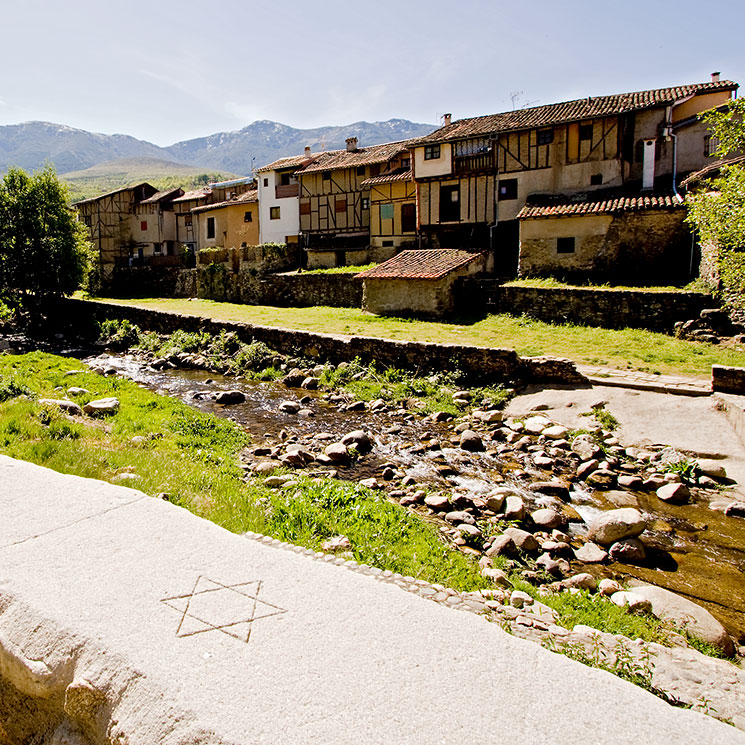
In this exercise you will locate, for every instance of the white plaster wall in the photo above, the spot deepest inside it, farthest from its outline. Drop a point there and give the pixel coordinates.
(276, 231)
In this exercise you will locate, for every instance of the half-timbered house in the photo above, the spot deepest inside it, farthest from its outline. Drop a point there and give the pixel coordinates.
(392, 210)
(474, 175)
(335, 202)
(109, 221)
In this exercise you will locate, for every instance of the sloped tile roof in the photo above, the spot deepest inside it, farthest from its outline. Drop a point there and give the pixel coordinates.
(111, 193)
(190, 196)
(361, 157)
(432, 263)
(568, 111)
(160, 195)
(712, 170)
(608, 204)
(245, 198)
(388, 178)
(294, 161)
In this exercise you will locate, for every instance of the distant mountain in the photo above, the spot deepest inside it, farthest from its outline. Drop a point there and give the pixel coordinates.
(264, 141)
(32, 144)
(163, 174)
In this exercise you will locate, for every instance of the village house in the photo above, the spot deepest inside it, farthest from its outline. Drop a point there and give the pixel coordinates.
(335, 202)
(182, 207)
(109, 219)
(279, 198)
(393, 209)
(154, 231)
(475, 176)
(231, 223)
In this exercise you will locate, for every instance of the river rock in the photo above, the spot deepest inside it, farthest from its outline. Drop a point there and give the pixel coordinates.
(294, 378)
(360, 439)
(310, 383)
(555, 432)
(585, 447)
(69, 407)
(603, 478)
(437, 502)
(514, 508)
(336, 543)
(735, 509)
(468, 531)
(501, 545)
(289, 407)
(608, 587)
(547, 519)
(458, 516)
(635, 603)
(76, 391)
(696, 620)
(590, 553)
(497, 576)
(337, 453)
(627, 481)
(586, 468)
(518, 599)
(628, 551)
(102, 406)
(710, 467)
(582, 581)
(552, 489)
(614, 525)
(230, 397)
(488, 417)
(522, 539)
(494, 501)
(472, 442)
(674, 493)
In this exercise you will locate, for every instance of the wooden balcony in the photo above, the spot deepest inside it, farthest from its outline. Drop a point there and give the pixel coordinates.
(288, 190)
(482, 162)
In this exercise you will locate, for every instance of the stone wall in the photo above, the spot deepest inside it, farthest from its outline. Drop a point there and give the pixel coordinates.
(480, 364)
(153, 281)
(609, 308)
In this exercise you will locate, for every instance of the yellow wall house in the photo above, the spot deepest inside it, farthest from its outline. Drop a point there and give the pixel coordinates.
(392, 210)
(228, 224)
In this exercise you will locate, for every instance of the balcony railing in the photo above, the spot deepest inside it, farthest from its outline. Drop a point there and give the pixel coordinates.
(286, 190)
(475, 163)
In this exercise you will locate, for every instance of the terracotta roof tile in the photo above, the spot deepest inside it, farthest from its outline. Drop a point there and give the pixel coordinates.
(190, 196)
(360, 157)
(245, 198)
(712, 170)
(432, 263)
(111, 193)
(388, 178)
(567, 111)
(160, 195)
(291, 162)
(609, 204)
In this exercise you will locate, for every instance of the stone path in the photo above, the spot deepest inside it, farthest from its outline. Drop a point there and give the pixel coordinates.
(682, 386)
(127, 619)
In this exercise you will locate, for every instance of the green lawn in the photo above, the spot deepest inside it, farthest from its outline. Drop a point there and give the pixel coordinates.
(629, 348)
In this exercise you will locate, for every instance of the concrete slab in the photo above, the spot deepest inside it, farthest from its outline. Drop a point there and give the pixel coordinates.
(693, 424)
(144, 623)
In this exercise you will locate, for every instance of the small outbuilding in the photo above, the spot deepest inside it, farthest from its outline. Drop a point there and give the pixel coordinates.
(418, 282)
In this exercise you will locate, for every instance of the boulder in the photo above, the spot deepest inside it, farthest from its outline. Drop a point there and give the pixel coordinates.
(697, 621)
(310, 384)
(536, 424)
(586, 468)
(555, 432)
(294, 379)
(289, 407)
(468, 531)
(608, 587)
(70, 407)
(613, 525)
(735, 509)
(514, 508)
(629, 481)
(337, 453)
(230, 397)
(547, 519)
(437, 502)
(522, 539)
(603, 478)
(674, 493)
(582, 581)
(102, 406)
(488, 417)
(628, 551)
(635, 603)
(709, 467)
(472, 442)
(502, 545)
(590, 553)
(459, 516)
(585, 447)
(360, 439)
(497, 576)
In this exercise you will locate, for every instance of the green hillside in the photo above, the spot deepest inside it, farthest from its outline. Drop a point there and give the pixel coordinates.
(163, 174)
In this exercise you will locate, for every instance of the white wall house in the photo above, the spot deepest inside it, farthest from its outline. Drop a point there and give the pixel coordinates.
(279, 203)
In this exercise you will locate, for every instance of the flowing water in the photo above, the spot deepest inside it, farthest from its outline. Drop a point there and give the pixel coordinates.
(692, 549)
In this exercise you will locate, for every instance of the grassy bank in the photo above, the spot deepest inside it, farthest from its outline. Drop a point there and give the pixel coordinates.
(192, 457)
(632, 349)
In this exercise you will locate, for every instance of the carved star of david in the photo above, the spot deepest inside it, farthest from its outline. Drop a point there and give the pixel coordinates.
(214, 606)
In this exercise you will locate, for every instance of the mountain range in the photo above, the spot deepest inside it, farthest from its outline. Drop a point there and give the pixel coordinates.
(32, 144)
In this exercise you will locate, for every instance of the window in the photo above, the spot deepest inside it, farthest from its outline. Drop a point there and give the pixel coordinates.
(545, 136)
(449, 203)
(157, 248)
(340, 204)
(326, 175)
(596, 179)
(565, 245)
(386, 211)
(585, 131)
(248, 217)
(508, 189)
(387, 244)
(87, 220)
(143, 224)
(365, 203)
(408, 217)
(274, 213)
(405, 162)
(210, 227)
(360, 170)
(711, 144)
(266, 182)
(375, 170)
(431, 152)
(187, 220)
(304, 208)
(284, 179)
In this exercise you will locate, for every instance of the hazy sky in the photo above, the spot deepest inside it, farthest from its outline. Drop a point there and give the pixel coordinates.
(169, 71)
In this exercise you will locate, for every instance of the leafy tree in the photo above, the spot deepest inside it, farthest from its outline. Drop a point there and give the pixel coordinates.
(44, 251)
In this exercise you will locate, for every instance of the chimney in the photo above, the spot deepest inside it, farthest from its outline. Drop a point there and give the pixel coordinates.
(715, 77)
(307, 151)
(351, 144)
(446, 119)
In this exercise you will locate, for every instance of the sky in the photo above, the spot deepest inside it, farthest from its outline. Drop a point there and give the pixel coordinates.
(166, 72)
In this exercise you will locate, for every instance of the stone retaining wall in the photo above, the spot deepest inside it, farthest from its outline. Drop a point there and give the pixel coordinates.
(615, 309)
(152, 281)
(479, 364)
